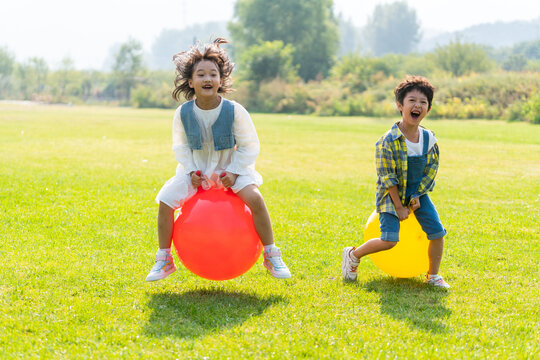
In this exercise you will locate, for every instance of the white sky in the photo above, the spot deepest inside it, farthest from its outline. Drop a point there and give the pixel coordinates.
(86, 30)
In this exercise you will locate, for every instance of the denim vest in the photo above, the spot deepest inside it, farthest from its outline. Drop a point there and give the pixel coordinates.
(222, 129)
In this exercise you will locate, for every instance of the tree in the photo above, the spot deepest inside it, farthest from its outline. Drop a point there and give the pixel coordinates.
(61, 79)
(40, 70)
(531, 109)
(172, 41)
(308, 25)
(268, 60)
(461, 58)
(128, 65)
(515, 62)
(393, 28)
(7, 64)
(349, 36)
(359, 73)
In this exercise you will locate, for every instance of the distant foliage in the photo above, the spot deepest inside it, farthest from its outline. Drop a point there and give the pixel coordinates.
(359, 73)
(393, 28)
(268, 60)
(155, 91)
(469, 84)
(461, 58)
(172, 41)
(7, 64)
(308, 25)
(128, 67)
(350, 37)
(489, 96)
(515, 62)
(531, 108)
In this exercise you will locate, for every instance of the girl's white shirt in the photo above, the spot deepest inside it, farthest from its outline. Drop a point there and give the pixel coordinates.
(238, 160)
(415, 149)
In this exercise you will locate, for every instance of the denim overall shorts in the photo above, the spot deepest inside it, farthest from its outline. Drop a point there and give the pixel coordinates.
(426, 214)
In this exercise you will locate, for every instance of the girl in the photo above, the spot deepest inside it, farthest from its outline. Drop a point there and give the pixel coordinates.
(214, 142)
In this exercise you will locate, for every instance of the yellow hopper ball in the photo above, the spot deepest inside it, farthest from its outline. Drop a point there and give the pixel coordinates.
(409, 257)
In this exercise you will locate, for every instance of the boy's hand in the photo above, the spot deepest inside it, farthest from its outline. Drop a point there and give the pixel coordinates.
(414, 204)
(403, 213)
(228, 179)
(196, 178)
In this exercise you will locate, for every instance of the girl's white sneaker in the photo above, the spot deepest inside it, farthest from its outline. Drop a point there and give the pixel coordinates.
(274, 264)
(163, 267)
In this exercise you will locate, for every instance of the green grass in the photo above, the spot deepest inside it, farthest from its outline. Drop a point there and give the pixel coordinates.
(78, 236)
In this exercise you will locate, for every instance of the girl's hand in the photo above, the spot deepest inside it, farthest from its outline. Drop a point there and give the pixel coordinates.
(414, 204)
(228, 179)
(403, 213)
(196, 178)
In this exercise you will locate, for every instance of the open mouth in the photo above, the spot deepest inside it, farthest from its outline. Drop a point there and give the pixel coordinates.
(207, 86)
(415, 114)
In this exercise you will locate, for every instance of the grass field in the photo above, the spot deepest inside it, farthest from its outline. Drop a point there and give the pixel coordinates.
(78, 235)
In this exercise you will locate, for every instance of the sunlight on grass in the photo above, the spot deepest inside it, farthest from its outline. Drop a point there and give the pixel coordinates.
(78, 234)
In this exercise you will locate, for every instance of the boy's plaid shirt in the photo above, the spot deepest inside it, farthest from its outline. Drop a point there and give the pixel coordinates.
(391, 162)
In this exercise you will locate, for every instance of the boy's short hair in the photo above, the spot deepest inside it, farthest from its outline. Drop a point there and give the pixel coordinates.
(186, 61)
(412, 82)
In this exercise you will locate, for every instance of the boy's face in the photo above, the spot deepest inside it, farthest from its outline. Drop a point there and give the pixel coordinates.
(205, 80)
(414, 108)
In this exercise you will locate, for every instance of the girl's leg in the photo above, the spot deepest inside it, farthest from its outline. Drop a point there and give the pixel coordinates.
(164, 264)
(435, 251)
(165, 224)
(261, 218)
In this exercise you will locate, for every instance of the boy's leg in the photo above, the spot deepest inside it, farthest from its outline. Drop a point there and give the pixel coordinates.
(435, 251)
(428, 218)
(389, 238)
(373, 246)
(261, 219)
(164, 264)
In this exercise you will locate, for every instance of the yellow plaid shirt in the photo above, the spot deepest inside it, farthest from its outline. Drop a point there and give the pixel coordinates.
(391, 162)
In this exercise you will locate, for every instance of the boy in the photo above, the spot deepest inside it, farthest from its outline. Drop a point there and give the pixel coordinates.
(407, 159)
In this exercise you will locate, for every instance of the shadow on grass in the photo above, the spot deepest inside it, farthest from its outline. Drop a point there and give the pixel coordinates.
(412, 301)
(199, 312)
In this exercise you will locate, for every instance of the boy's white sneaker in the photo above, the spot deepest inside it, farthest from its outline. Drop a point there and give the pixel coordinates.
(274, 264)
(348, 265)
(436, 280)
(163, 267)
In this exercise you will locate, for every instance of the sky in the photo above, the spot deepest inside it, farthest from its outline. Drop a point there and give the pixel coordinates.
(85, 31)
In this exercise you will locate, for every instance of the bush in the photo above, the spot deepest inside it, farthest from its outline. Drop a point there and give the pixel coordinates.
(487, 96)
(157, 96)
(531, 108)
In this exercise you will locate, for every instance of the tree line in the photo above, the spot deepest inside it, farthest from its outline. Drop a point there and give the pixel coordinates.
(286, 52)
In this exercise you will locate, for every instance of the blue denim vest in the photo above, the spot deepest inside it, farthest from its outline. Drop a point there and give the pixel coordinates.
(222, 129)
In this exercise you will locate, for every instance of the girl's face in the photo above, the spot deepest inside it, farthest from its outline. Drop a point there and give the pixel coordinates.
(205, 80)
(414, 108)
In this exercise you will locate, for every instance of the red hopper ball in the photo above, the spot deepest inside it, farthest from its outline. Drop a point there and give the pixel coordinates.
(214, 235)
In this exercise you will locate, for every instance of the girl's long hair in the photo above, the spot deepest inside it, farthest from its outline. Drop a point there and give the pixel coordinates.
(186, 61)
